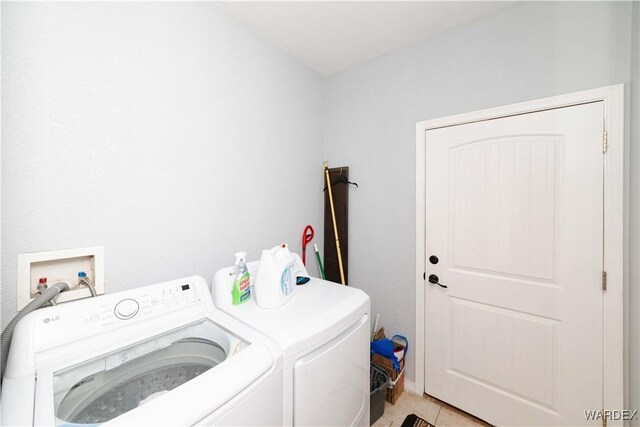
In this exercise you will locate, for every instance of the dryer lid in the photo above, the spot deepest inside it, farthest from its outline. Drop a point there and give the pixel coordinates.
(318, 311)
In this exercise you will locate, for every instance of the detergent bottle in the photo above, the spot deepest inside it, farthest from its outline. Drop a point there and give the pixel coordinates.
(241, 290)
(276, 280)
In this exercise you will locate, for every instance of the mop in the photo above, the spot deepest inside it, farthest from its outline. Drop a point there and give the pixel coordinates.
(307, 237)
(320, 267)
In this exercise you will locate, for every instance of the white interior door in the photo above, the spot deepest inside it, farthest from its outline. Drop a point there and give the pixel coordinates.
(514, 213)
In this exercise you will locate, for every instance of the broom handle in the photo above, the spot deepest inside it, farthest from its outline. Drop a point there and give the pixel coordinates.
(335, 225)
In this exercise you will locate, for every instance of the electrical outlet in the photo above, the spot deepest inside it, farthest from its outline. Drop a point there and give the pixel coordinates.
(60, 266)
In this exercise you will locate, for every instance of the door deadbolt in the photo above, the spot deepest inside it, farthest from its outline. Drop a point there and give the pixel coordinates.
(433, 259)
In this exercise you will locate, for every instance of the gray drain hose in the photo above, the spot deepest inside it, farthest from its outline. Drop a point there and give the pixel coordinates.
(46, 296)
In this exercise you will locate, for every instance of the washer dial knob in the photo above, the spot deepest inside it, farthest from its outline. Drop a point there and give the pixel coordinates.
(126, 309)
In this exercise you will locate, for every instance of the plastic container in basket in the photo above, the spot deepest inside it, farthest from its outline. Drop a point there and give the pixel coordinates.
(379, 382)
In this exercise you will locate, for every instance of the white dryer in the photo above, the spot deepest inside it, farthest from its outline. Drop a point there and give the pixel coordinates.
(323, 332)
(159, 354)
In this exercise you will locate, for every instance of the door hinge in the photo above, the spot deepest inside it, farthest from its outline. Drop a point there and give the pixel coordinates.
(604, 280)
(605, 142)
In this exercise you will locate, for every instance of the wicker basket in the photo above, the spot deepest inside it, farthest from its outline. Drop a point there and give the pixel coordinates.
(396, 387)
(387, 365)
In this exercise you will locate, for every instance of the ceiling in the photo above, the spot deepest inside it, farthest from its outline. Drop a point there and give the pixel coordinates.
(331, 36)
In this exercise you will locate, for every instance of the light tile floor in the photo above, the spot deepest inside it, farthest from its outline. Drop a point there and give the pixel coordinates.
(440, 415)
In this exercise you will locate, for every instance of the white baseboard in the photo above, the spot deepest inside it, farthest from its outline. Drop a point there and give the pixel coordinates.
(410, 386)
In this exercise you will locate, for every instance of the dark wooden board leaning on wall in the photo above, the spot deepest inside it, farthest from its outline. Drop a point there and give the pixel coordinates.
(340, 192)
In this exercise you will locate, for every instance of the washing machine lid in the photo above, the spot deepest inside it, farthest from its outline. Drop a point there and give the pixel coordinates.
(196, 357)
(178, 377)
(318, 311)
(99, 390)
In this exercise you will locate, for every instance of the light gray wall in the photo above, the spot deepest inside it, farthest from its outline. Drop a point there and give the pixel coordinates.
(526, 51)
(634, 225)
(163, 131)
(1, 50)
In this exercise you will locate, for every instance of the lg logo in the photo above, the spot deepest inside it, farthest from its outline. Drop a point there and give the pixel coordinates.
(51, 319)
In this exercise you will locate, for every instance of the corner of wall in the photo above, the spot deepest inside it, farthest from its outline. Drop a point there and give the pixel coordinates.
(632, 401)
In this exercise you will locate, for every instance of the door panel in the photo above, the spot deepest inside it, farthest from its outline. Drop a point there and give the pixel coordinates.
(515, 214)
(507, 184)
(534, 373)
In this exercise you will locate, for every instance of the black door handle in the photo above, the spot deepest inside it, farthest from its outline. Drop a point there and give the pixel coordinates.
(436, 281)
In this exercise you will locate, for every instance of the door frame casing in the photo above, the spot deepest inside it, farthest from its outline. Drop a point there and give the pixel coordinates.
(614, 249)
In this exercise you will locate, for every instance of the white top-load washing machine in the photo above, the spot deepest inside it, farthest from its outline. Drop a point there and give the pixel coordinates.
(324, 334)
(159, 354)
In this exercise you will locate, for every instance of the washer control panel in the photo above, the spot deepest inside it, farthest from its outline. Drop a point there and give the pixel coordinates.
(70, 321)
(149, 302)
(126, 309)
